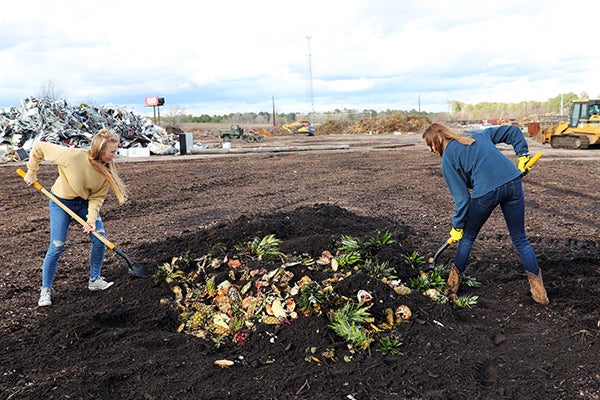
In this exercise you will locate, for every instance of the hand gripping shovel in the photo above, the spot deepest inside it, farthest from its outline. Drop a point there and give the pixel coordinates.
(135, 269)
(532, 161)
(433, 263)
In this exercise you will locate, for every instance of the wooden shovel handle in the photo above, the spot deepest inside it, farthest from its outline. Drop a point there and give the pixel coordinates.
(76, 217)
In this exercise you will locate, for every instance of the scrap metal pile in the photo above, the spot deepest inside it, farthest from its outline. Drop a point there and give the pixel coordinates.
(56, 121)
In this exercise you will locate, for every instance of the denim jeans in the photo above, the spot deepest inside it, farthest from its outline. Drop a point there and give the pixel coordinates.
(511, 199)
(59, 227)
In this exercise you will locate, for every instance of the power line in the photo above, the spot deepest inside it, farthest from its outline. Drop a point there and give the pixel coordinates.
(309, 83)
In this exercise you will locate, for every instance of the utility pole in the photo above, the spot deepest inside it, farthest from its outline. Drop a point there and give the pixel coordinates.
(309, 83)
(274, 124)
(562, 104)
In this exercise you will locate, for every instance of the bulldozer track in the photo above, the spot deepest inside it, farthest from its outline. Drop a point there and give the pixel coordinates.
(570, 142)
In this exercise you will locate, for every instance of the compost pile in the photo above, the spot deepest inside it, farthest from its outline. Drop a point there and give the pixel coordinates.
(397, 122)
(197, 222)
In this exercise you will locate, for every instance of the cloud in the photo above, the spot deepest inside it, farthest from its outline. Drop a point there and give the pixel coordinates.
(236, 56)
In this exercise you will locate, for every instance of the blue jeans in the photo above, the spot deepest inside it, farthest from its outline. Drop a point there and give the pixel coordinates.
(511, 199)
(59, 227)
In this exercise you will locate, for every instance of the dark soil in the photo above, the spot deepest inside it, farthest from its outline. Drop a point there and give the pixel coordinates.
(124, 343)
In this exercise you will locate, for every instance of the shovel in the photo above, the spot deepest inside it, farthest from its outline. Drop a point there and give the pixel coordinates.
(433, 263)
(532, 161)
(135, 269)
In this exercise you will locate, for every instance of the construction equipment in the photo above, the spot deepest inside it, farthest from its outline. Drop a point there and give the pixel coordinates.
(503, 120)
(135, 269)
(237, 132)
(300, 127)
(581, 131)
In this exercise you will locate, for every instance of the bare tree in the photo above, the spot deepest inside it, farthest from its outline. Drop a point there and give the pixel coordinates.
(49, 91)
(174, 116)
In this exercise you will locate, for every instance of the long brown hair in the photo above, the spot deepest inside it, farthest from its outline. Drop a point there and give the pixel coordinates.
(109, 169)
(439, 135)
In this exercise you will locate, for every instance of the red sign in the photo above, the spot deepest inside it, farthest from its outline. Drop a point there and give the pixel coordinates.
(151, 101)
(154, 101)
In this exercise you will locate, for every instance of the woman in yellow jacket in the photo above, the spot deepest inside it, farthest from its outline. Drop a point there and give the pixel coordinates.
(84, 177)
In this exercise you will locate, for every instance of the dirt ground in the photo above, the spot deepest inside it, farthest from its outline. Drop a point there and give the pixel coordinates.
(308, 191)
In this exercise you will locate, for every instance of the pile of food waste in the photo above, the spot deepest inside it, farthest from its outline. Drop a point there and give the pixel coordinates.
(223, 297)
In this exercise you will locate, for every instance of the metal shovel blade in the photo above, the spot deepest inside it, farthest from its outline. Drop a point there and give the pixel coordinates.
(437, 254)
(135, 269)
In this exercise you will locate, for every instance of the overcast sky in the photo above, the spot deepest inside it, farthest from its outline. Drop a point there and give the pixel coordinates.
(224, 56)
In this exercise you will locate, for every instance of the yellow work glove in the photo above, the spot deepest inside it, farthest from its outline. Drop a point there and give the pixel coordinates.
(523, 160)
(455, 235)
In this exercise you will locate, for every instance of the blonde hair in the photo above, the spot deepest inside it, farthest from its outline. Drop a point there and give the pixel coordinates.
(441, 134)
(109, 169)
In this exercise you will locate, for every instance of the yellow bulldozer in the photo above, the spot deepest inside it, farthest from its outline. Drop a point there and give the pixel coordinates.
(581, 131)
(300, 127)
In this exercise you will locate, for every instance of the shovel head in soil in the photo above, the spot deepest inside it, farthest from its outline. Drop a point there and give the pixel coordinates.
(434, 260)
(135, 269)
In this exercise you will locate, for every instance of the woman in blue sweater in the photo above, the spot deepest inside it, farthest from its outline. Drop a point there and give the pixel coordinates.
(480, 178)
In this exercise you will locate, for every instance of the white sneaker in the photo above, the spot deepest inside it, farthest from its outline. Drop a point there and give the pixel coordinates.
(99, 284)
(45, 297)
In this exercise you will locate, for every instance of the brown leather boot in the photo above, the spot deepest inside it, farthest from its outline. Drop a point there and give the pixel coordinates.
(453, 282)
(538, 292)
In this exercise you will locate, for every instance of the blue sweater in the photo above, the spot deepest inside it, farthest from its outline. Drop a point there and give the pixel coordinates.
(472, 171)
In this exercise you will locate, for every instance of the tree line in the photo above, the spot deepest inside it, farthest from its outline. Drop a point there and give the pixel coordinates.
(522, 111)
(457, 110)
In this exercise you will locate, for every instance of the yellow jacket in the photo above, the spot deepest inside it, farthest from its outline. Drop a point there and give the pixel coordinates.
(76, 176)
